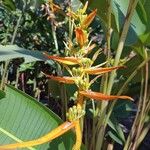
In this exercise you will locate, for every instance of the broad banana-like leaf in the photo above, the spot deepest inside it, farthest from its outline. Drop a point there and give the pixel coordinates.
(22, 118)
(9, 52)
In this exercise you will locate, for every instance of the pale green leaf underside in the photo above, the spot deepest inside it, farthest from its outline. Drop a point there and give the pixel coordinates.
(22, 118)
(9, 52)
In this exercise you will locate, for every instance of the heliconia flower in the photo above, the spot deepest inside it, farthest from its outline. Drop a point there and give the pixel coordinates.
(101, 96)
(87, 21)
(81, 36)
(66, 80)
(66, 126)
(97, 71)
(64, 60)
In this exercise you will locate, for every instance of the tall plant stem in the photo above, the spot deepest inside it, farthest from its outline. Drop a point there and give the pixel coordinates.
(130, 11)
(54, 34)
(102, 108)
(124, 86)
(131, 8)
(16, 29)
(17, 78)
(135, 123)
(142, 113)
(64, 98)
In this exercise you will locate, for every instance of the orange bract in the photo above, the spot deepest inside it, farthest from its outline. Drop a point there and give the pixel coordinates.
(101, 96)
(97, 71)
(81, 37)
(67, 80)
(64, 60)
(87, 21)
(48, 137)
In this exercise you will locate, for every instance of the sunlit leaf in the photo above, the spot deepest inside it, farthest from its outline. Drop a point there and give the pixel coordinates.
(23, 118)
(46, 138)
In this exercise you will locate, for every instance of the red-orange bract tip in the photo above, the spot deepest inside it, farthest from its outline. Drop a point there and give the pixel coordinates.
(101, 96)
(46, 138)
(66, 80)
(64, 60)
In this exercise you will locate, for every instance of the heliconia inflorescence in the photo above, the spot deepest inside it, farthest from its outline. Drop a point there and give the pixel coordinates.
(80, 67)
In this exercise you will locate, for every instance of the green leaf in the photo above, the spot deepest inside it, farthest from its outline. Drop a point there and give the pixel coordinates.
(114, 124)
(9, 52)
(115, 137)
(23, 118)
(25, 66)
(9, 4)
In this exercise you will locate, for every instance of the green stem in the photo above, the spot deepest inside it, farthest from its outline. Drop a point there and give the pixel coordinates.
(16, 29)
(103, 105)
(4, 75)
(132, 133)
(143, 108)
(143, 134)
(63, 100)
(17, 78)
(131, 8)
(54, 34)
